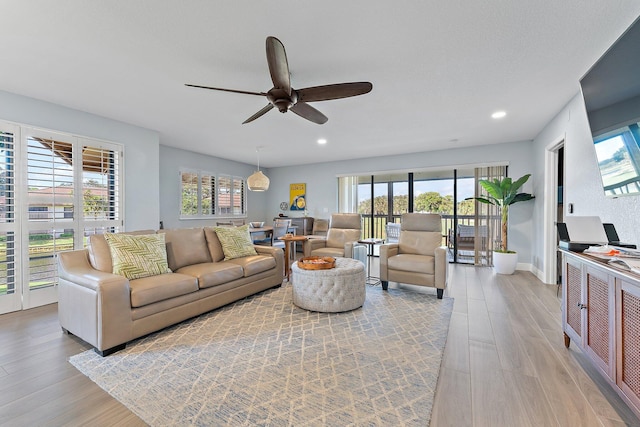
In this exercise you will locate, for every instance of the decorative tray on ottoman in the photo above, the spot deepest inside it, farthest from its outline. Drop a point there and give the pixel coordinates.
(317, 262)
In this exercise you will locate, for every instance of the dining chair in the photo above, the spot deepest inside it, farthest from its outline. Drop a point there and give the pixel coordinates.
(280, 228)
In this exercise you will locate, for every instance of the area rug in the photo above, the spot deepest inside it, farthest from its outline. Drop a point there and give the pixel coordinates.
(264, 361)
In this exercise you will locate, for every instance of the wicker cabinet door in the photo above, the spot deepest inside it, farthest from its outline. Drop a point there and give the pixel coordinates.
(628, 340)
(572, 290)
(599, 322)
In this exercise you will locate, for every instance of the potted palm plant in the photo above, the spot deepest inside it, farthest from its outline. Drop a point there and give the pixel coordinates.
(504, 193)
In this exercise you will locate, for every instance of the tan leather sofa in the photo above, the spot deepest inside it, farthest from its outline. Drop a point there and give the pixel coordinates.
(419, 257)
(108, 310)
(344, 232)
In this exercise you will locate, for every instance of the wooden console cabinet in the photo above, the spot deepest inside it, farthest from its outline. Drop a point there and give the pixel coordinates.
(601, 314)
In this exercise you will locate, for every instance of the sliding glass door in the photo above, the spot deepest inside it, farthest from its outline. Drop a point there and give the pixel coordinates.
(468, 227)
(381, 199)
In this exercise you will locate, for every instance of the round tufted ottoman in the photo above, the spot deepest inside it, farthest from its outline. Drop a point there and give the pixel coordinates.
(339, 289)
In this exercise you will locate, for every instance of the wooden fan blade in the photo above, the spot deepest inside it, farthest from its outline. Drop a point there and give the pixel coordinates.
(278, 66)
(306, 111)
(335, 91)
(228, 90)
(259, 113)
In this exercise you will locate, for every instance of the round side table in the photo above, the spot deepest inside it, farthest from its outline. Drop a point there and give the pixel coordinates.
(288, 241)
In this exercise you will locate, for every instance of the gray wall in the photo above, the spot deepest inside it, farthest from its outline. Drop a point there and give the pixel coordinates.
(583, 186)
(141, 149)
(322, 188)
(174, 159)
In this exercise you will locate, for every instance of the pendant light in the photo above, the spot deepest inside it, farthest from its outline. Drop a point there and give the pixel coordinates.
(258, 181)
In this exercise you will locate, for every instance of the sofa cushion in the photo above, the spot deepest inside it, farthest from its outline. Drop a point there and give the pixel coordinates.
(409, 262)
(138, 256)
(100, 254)
(213, 273)
(213, 243)
(148, 290)
(186, 246)
(255, 264)
(236, 241)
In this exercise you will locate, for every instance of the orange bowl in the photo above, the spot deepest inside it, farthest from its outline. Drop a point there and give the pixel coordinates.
(317, 263)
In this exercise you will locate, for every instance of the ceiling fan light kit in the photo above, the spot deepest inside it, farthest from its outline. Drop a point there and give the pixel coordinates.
(283, 97)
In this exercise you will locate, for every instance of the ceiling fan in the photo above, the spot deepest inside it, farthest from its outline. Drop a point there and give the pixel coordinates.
(285, 98)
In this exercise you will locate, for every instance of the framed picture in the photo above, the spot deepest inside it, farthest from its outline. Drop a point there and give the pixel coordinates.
(297, 197)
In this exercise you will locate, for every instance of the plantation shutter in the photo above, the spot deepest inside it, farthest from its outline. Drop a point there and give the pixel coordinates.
(9, 252)
(101, 188)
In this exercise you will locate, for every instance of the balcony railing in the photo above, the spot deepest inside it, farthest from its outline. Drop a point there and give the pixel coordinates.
(380, 223)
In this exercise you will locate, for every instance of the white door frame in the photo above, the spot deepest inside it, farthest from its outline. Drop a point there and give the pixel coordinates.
(551, 209)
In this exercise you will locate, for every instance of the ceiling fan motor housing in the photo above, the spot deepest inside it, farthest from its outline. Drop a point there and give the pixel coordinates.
(281, 100)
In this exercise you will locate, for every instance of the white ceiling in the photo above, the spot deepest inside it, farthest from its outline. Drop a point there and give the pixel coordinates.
(439, 69)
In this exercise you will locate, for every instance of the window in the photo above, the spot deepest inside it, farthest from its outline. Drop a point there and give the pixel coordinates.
(231, 195)
(203, 195)
(618, 154)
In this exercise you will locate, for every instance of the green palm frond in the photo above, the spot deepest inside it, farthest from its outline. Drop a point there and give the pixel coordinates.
(502, 193)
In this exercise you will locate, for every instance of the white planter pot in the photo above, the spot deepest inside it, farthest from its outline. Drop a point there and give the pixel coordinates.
(504, 263)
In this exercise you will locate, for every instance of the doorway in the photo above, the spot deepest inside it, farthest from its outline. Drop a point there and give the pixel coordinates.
(555, 195)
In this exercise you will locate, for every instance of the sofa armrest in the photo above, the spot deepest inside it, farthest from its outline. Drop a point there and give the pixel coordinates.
(93, 305)
(74, 266)
(313, 244)
(275, 252)
(441, 266)
(387, 251)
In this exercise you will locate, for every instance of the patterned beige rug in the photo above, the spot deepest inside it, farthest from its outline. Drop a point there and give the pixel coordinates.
(264, 361)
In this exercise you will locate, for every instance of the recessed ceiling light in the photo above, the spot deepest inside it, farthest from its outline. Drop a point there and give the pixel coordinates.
(499, 114)
(322, 141)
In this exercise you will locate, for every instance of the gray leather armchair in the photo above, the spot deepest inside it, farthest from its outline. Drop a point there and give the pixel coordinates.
(419, 257)
(343, 234)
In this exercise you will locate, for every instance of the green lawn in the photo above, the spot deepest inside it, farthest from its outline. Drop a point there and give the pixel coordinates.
(40, 258)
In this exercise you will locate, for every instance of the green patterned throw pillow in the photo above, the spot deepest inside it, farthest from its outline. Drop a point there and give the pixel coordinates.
(236, 241)
(137, 256)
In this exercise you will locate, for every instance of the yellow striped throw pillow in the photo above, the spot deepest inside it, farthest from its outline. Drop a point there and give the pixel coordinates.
(138, 256)
(236, 241)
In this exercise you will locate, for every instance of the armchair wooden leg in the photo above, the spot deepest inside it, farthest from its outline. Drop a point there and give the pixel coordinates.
(385, 285)
(440, 293)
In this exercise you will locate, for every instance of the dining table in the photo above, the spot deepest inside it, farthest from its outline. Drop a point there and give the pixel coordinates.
(267, 230)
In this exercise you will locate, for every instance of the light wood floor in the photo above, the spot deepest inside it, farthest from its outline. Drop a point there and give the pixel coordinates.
(505, 364)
